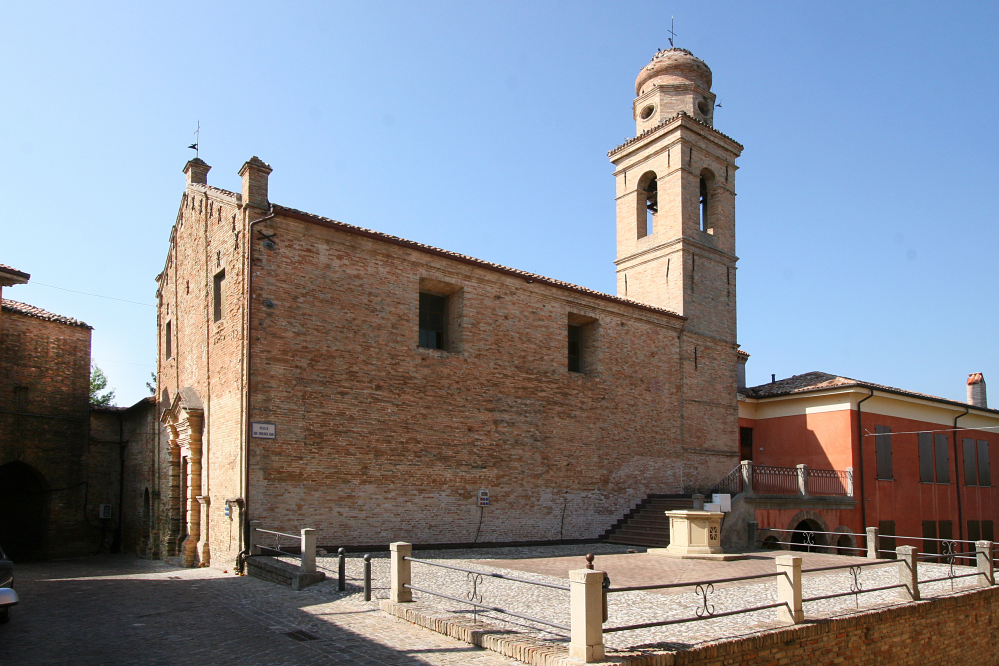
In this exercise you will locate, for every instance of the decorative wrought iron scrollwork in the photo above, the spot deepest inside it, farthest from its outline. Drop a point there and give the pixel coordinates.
(474, 595)
(949, 548)
(706, 609)
(855, 585)
(808, 539)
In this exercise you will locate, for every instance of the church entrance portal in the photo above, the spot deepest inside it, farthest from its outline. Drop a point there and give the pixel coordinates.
(23, 512)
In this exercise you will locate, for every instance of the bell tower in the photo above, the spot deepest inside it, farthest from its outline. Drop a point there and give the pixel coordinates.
(676, 199)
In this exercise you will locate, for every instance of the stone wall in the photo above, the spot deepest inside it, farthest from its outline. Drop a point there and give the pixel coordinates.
(954, 630)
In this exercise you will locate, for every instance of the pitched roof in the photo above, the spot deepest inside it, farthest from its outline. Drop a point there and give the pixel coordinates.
(9, 269)
(820, 381)
(529, 277)
(663, 123)
(31, 311)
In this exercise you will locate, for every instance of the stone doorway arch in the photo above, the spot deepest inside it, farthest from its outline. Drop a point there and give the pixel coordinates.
(24, 512)
(187, 530)
(807, 535)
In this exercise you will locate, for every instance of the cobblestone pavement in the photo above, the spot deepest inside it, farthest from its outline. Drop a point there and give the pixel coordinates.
(550, 564)
(113, 610)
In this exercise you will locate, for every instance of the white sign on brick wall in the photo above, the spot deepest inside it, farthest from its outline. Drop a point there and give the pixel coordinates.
(263, 430)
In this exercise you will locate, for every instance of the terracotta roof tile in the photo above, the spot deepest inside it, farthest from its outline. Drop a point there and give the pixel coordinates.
(819, 381)
(529, 277)
(9, 269)
(663, 123)
(32, 311)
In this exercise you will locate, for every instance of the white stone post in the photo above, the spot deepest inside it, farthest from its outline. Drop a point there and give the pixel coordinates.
(254, 544)
(908, 558)
(872, 543)
(308, 550)
(586, 637)
(789, 589)
(985, 564)
(849, 481)
(803, 480)
(401, 571)
(747, 476)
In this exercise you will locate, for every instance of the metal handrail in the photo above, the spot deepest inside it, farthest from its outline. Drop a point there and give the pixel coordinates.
(777, 529)
(491, 608)
(635, 588)
(646, 625)
(490, 574)
(290, 536)
(876, 563)
(937, 580)
(855, 592)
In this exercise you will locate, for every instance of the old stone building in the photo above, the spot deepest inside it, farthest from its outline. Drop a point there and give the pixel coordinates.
(313, 373)
(73, 477)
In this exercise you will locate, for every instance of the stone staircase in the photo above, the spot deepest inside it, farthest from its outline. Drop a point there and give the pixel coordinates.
(647, 524)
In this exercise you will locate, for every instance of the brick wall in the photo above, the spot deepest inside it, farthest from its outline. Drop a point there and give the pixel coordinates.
(380, 440)
(44, 389)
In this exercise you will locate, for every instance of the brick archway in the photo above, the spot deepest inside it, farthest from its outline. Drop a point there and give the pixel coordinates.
(811, 520)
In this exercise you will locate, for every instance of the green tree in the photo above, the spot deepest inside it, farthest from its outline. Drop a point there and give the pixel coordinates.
(151, 385)
(98, 384)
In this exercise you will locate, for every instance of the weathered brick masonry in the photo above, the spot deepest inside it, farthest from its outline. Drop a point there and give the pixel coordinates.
(270, 315)
(44, 402)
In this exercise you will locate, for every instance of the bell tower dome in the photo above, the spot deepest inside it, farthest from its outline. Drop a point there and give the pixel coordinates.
(674, 81)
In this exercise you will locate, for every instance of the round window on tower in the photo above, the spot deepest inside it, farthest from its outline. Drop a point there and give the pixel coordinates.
(647, 112)
(704, 107)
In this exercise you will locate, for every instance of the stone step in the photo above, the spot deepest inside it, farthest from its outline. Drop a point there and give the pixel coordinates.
(273, 570)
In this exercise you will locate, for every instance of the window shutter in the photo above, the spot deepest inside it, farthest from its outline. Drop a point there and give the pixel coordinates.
(943, 467)
(970, 467)
(984, 473)
(974, 531)
(882, 442)
(987, 533)
(929, 532)
(886, 537)
(947, 531)
(925, 457)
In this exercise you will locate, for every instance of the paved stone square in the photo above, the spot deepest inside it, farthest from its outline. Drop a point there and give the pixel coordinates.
(111, 610)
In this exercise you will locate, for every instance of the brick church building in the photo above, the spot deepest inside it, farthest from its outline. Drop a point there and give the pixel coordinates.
(316, 374)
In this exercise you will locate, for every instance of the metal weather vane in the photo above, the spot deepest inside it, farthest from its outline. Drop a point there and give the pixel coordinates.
(671, 33)
(197, 139)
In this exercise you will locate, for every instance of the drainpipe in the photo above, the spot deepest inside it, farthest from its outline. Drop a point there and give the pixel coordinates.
(860, 445)
(957, 479)
(248, 336)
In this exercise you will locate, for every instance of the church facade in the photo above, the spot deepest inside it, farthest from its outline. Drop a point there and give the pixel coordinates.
(316, 374)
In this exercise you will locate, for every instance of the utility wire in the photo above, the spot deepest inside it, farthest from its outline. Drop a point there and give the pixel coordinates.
(52, 286)
(916, 432)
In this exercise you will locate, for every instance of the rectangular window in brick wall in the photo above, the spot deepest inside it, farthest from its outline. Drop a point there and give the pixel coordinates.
(168, 340)
(882, 444)
(984, 471)
(940, 442)
(886, 538)
(575, 348)
(218, 295)
(974, 530)
(926, 458)
(433, 321)
(581, 343)
(970, 462)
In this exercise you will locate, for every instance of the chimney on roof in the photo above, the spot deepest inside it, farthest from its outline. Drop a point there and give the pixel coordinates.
(254, 174)
(976, 390)
(197, 171)
(740, 370)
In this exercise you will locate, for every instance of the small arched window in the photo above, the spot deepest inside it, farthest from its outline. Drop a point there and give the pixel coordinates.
(648, 198)
(707, 179)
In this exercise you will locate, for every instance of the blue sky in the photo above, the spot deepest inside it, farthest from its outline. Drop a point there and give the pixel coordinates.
(866, 210)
